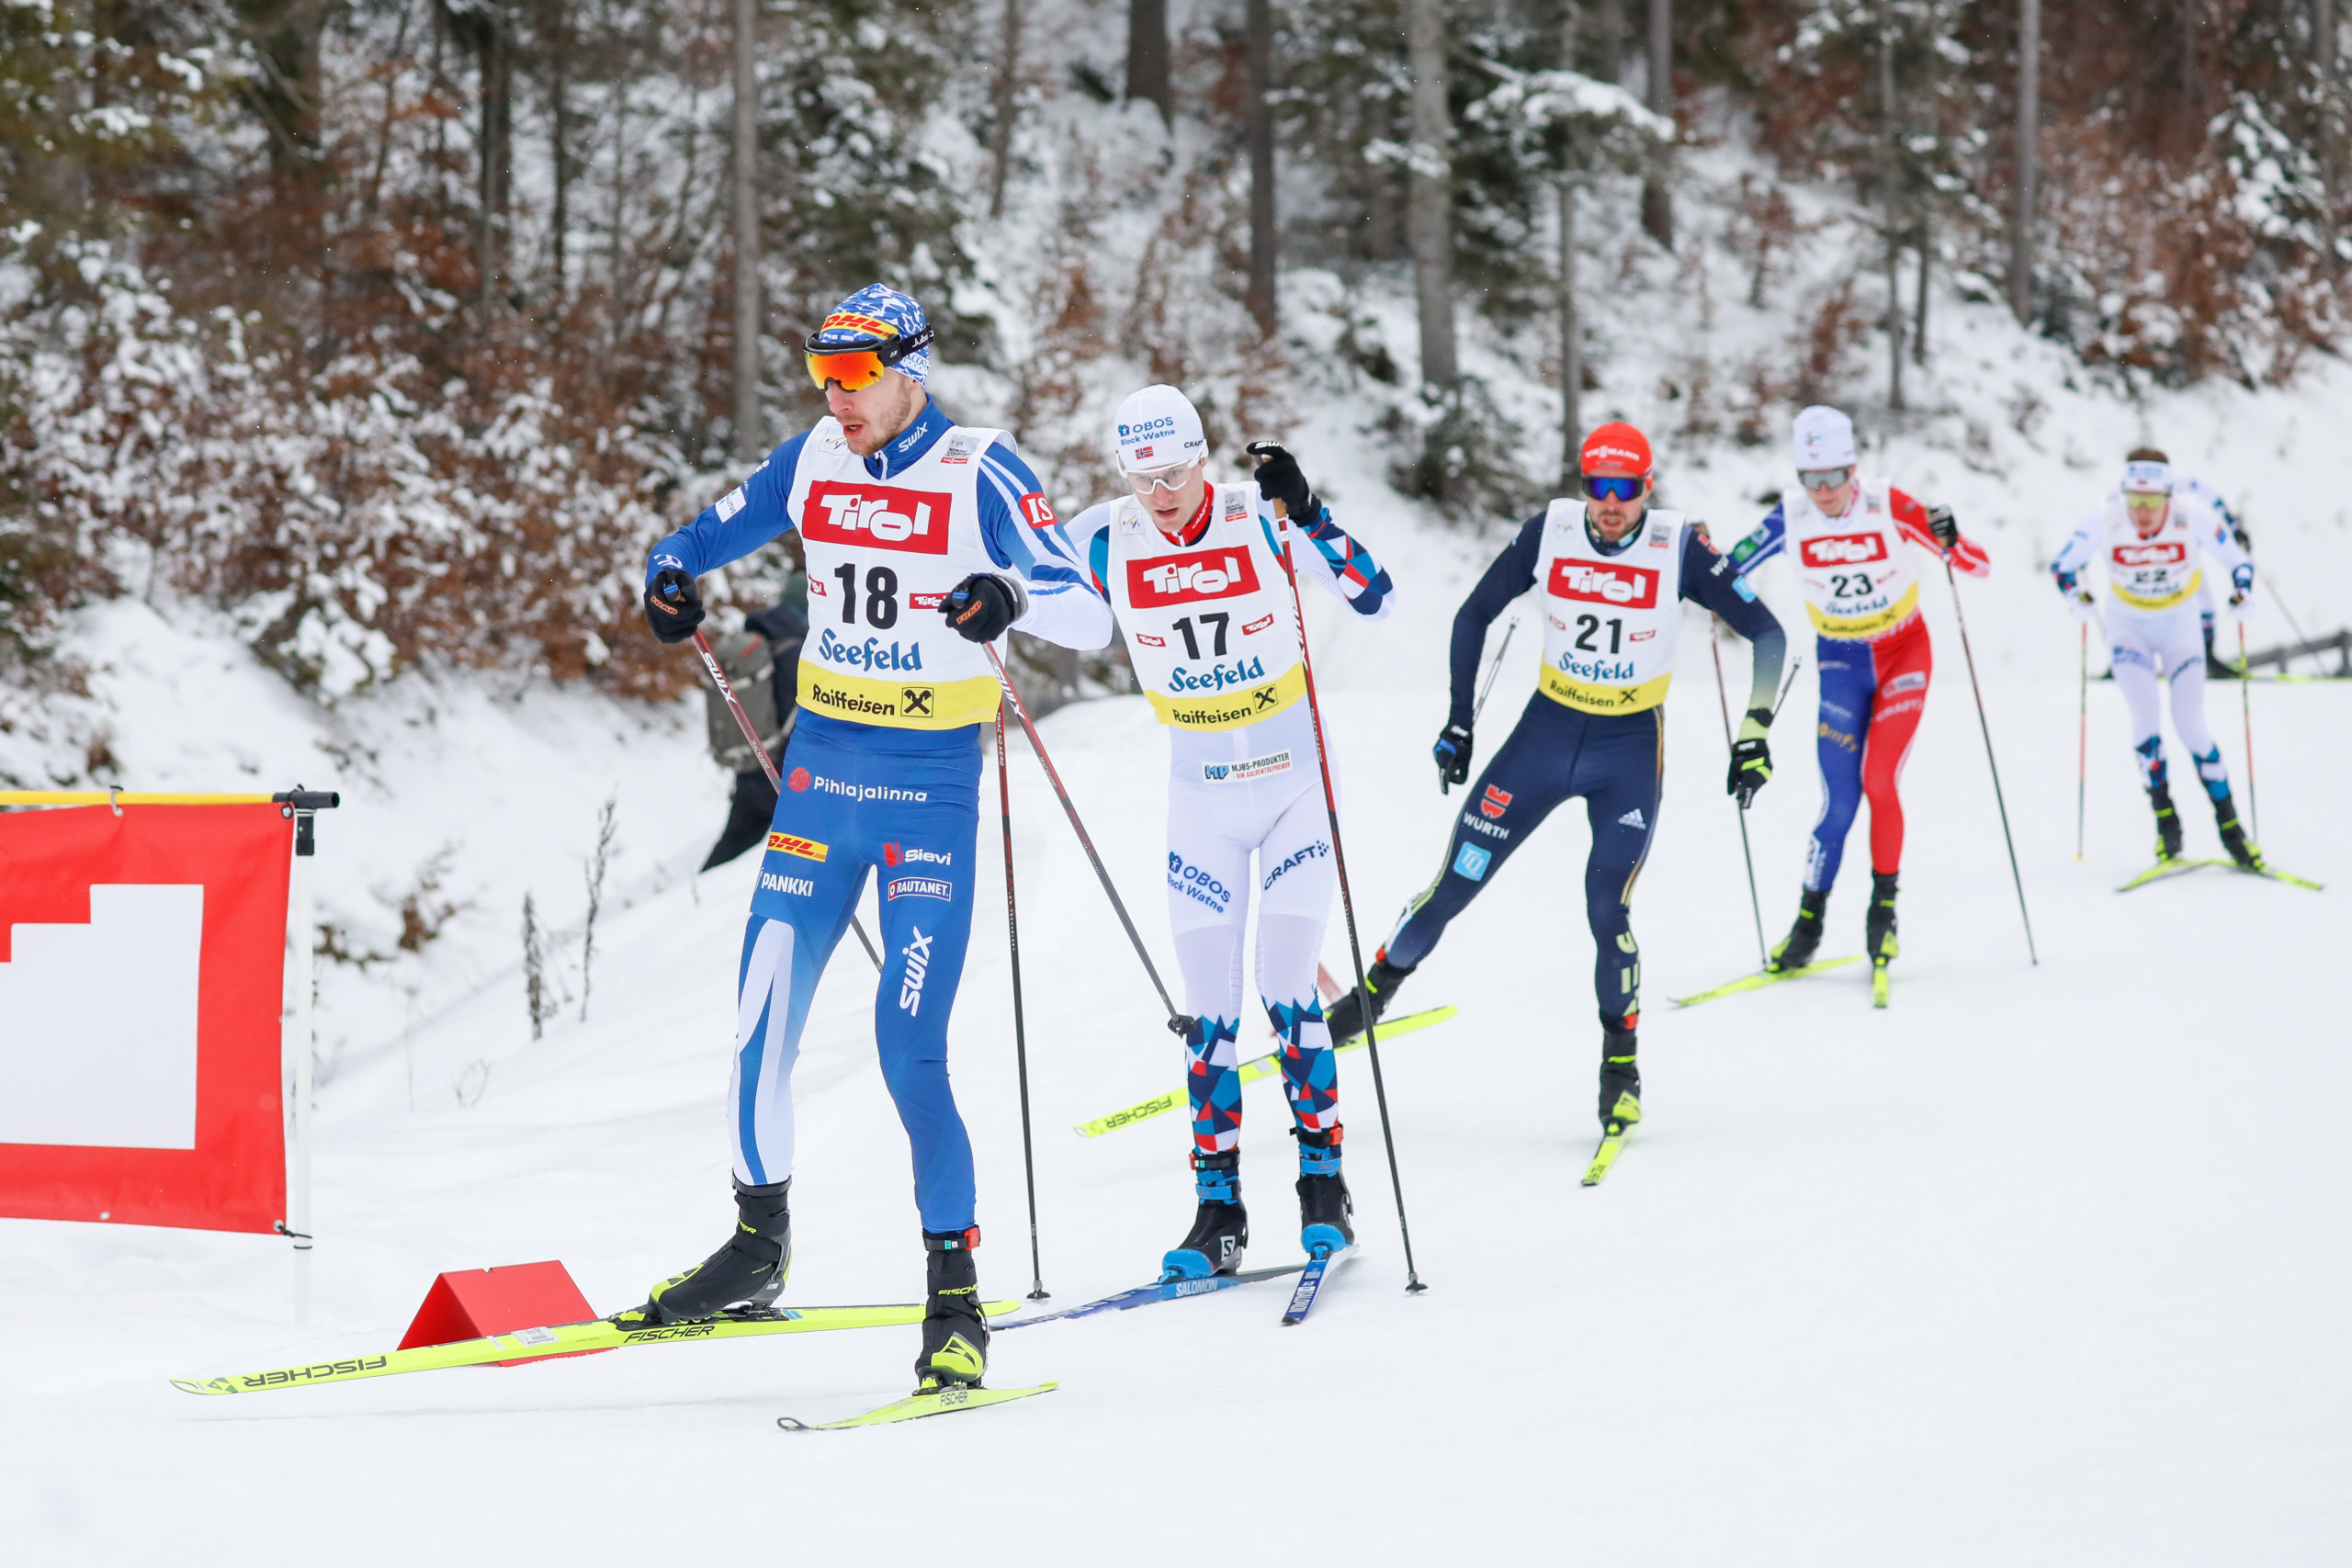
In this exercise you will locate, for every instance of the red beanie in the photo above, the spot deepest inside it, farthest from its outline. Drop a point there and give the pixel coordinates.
(1616, 446)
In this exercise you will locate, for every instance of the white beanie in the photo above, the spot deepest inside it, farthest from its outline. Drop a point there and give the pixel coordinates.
(1159, 428)
(1825, 439)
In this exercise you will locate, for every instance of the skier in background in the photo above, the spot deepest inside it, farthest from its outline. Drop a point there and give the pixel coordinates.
(1851, 543)
(761, 664)
(2150, 531)
(1613, 574)
(1195, 572)
(924, 539)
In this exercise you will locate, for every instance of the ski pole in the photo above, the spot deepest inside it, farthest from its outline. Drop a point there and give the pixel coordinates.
(1722, 701)
(1446, 785)
(1178, 1023)
(1020, 1034)
(2083, 740)
(1347, 908)
(775, 781)
(1994, 767)
(2245, 700)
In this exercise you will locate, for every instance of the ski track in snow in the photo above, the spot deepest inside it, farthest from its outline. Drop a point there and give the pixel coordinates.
(2043, 1265)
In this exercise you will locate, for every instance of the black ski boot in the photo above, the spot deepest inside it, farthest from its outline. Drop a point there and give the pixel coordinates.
(749, 1271)
(1878, 926)
(1345, 1021)
(1804, 937)
(955, 1329)
(2242, 850)
(1326, 1212)
(1220, 1232)
(2167, 823)
(1620, 1077)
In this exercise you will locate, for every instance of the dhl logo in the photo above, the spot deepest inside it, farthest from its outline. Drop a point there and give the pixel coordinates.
(1198, 574)
(1845, 549)
(878, 516)
(1625, 587)
(806, 849)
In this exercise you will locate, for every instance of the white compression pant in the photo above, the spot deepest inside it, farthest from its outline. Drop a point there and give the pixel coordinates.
(2170, 642)
(1213, 829)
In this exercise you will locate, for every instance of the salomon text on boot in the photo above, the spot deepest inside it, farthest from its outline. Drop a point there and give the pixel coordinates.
(1220, 1232)
(1345, 1019)
(955, 1328)
(1326, 1212)
(1796, 950)
(1621, 1074)
(746, 1274)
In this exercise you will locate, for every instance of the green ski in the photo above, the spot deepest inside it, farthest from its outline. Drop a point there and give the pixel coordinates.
(2170, 866)
(1878, 982)
(915, 1406)
(1604, 1156)
(1764, 977)
(1257, 1067)
(2275, 875)
(565, 1340)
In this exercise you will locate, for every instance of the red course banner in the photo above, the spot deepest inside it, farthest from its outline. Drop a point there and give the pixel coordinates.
(143, 958)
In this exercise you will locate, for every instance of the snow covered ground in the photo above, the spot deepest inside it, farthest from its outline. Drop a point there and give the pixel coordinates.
(2043, 1265)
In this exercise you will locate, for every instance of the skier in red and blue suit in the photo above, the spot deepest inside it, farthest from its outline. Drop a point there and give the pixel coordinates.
(1851, 542)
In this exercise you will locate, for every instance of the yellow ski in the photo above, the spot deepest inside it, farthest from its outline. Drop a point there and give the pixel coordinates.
(915, 1406)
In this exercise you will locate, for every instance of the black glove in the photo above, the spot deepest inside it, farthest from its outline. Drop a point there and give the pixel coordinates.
(1278, 479)
(1940, 523)
(672, 607)
(1751, 766)
(1453, 754)
(982, 606)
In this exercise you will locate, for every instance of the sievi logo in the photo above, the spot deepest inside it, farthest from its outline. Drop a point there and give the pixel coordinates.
(1195, 574)
(2163, 552)
(1626, 587)
(882, 516)
(1844, 550)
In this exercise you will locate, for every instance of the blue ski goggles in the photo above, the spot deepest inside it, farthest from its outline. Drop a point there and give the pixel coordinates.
(1612, 487)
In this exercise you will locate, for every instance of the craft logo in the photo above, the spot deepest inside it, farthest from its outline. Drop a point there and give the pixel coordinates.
(801, 887)
(1595, 582)
(2163, 552)
(879, 516)
(1495, 803)
(1036, 509)
(922, 888)
(799, 781)
(1844, 550)
(1194, 574)
(786, 843)
(918, 956)
(893, 856)
(1297, 858)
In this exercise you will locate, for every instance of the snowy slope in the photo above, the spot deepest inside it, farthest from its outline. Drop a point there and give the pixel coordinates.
(2044, 1264)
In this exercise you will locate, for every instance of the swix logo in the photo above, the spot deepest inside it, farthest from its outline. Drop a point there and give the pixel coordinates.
(882, 516)
(1195, 574)
(1598, 582)
(1844, 550)
(1495, 802)
(918, 956)
(2163, 552)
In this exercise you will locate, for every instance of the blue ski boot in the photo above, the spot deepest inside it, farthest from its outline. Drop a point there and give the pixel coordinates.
(1325, 1210)
(1220, 1230)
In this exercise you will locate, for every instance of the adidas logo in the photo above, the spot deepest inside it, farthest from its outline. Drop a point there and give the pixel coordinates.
(1632, 819)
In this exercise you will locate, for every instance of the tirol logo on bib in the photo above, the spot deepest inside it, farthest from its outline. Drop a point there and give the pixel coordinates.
(881, 517)
(1844, 550)
(1627, 587)
(1192, 575)
(2163, 552)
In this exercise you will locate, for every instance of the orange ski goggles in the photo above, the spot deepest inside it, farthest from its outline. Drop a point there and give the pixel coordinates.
(858, 364)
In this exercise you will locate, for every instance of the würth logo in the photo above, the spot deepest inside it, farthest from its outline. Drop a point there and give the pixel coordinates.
(2163, 552)
(1844, 550)
(1195, 574)
(882, 516)
(1601, 583)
